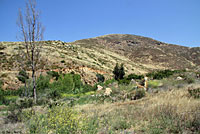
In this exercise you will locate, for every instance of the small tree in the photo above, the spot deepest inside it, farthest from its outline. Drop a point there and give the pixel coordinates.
(119, 72)
(31, 34)
(116, 72)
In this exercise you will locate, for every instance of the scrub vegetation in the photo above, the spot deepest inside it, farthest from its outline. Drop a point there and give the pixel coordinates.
(65, 104)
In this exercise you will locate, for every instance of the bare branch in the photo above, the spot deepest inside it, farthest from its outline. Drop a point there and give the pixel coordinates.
(32, 33)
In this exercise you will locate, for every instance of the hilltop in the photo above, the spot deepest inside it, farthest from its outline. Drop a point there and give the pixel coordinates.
(88, 57)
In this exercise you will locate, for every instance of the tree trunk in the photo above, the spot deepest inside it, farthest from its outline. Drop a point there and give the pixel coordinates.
(25, 89)
(34, 84)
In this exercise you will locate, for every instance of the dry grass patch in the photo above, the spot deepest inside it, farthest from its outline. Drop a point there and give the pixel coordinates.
(165, 112)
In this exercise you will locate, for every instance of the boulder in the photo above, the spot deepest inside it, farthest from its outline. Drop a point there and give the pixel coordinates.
(179, 78)
(99, 88)
(108, 91)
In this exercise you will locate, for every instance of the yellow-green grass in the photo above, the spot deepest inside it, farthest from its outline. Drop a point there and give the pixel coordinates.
(65, 95)
(154, 83)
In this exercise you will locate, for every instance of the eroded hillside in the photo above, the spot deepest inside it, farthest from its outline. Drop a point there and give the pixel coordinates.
(99, 55)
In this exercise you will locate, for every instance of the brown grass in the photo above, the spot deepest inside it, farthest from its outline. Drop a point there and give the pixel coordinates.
(175, 104)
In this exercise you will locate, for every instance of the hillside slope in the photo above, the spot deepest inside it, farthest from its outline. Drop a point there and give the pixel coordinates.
(99, 55)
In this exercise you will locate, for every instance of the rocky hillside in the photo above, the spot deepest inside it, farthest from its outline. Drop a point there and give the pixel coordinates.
(99, 55)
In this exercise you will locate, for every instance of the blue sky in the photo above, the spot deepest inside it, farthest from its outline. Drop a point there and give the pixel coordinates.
(170, 21)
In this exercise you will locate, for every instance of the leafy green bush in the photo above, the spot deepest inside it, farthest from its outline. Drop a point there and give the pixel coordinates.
(128, 79)
(42, 83)
(162, 74)
(135, 76)
(77, 81)
(68, 83)
(65, 84)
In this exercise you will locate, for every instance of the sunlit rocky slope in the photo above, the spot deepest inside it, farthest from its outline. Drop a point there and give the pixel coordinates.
(99, 55)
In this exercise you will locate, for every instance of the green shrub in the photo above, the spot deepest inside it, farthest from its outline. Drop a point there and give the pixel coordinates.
(162, 74)
(24, 103)
(100, 78)
(124, 81)
(54, 94)
(42, 100)
(42, 83)
(27, 114)
(11, 92)
(22, 76)
(128, 79)
(9, 99)
(69, 83)
(110, 81)
(53, 74)
(7, 96)
(135, 76)
(77, 81)
(88, 88)
(194, 92)
(119, 72)
(65, 84)
(1, 93)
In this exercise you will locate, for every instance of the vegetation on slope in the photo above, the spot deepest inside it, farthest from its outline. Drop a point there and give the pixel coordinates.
(170, 106)
(99, 55)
